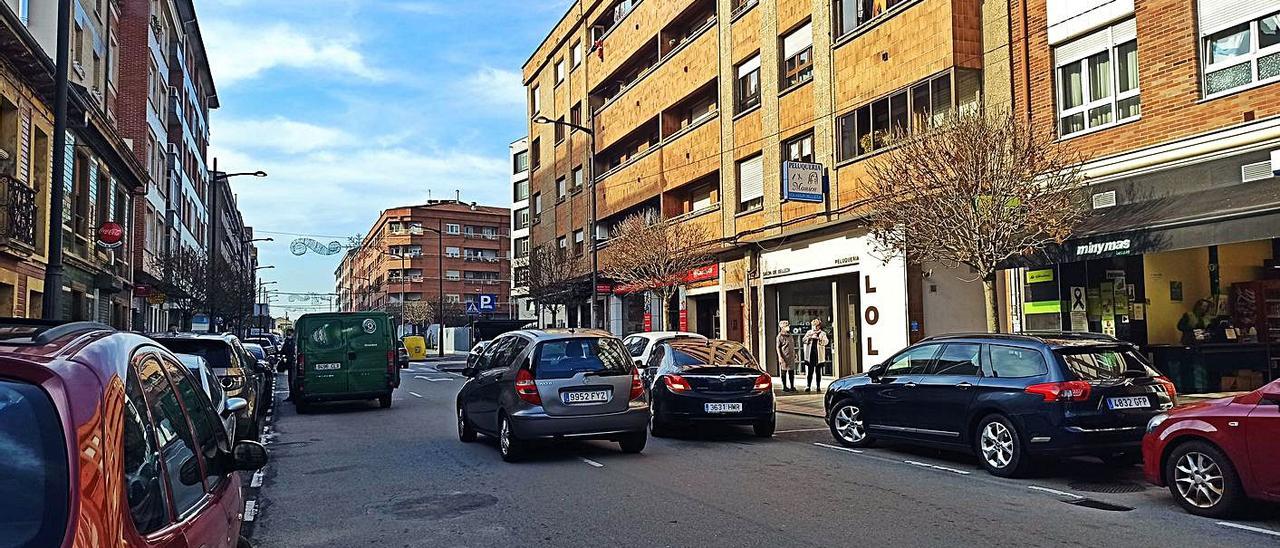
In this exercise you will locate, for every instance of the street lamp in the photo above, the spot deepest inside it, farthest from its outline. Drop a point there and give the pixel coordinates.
(591, 183)
(218, 177)
(251, 240)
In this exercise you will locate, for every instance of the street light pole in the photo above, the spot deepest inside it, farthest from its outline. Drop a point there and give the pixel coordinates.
(51, 300)
(591, 222)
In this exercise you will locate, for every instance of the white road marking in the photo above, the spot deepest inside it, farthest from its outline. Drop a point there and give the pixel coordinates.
(250, 510)
(256, 482)
(936, 467)
(591, 462)
(1249, 528)
(801, 430)
(837, 448)
(1054, 492)
(416, 395)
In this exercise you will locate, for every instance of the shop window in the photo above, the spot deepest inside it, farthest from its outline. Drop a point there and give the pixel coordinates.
(1240, 48)
(797, 56)
(1097, 79)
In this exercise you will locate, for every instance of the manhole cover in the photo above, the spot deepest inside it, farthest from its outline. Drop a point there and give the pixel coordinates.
(1113, 487)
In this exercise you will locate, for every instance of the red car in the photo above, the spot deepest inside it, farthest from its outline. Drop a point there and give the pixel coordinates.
(107, 441)
(1216, 454)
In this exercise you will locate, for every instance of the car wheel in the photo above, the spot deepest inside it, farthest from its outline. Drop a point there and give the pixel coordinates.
(658, 427)
(847, 425)
(999, 447)
(512, 449)
(633, 443)
(764, 429)
(465, 432)
(384, 401)
(1203, 480)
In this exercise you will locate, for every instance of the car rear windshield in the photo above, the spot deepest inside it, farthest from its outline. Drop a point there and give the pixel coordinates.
(562, 359)
(1096, 364)
(33, 465)
(697, 355)
(216, 353)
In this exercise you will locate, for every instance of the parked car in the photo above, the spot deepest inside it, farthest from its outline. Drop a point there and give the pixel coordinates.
(402, 356)
(1006, 398)
(269, 347)
(1215, 455)
(212, 387)
(476, 351)
(537, 385)
(345, 356)
(235, 367)
(266, 372)
(708, 381)
(640, 345)
(81, 394)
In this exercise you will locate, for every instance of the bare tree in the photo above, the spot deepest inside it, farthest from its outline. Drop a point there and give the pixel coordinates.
(647, 254)
(554, 278)
(979, 190)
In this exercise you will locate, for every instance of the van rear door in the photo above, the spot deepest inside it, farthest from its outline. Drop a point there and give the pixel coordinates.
(322, 344)
(369, 350)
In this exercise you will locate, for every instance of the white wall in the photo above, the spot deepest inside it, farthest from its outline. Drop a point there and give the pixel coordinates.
(951, 304)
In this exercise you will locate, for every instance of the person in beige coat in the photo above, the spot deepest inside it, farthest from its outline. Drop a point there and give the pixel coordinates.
(815, 344)
(786, 349)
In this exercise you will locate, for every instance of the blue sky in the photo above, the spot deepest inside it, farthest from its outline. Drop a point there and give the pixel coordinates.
(354, 106)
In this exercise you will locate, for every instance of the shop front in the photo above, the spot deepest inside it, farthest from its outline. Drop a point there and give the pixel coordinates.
(700, 312)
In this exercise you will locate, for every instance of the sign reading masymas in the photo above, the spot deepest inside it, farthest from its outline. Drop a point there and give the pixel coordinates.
(803, 182)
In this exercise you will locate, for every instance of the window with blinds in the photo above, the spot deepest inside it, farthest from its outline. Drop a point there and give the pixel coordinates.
(1097, 79)
(751, 184)
(1240, 44)
(748, 84)
(797, 56)
(1070, 19)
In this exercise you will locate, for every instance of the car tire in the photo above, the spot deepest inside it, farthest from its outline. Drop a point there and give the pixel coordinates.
(511, 448)
(999, 447)
(847, 425)
(658, 427)
(384, 401)
(765, 428)
(1191, 467)
(634, 443)
(466, 433)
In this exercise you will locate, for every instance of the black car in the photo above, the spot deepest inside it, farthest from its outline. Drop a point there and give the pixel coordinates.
(1006, 398)
(238, 370)
(708, 381)
(269, 348)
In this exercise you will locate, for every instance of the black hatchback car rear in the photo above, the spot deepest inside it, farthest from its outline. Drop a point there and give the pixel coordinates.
(704, 381)
(1006, 398)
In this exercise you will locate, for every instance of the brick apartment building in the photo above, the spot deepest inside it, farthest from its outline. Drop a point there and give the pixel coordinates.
(695, 107)
(522, 307)
(1176, 105)
(401, 255)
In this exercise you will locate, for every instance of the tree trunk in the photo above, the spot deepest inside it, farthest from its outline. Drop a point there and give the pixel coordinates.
(665, 307)
(993, 304)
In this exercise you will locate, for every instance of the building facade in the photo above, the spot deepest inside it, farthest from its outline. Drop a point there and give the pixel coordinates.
(410, 252)
(521, 306)
(1176, 105)
(697, 109)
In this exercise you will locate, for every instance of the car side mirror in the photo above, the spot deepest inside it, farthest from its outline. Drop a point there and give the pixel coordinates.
(469, 371)
(640, 364)
(248, 456)
(876, 371)
(233, 406)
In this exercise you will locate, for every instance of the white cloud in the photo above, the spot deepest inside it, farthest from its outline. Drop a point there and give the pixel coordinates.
(279, 134)
(498, 87)
(243, 52)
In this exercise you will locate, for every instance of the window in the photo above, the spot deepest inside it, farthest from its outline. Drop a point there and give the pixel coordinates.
(562, 242)
(577, 178)
(747, 89)
(1011, 362)
(559, 70)
(741, 6)
(797, 55)
(522, 218)
(535, 99)
(452, 252)
(851, 14)
(751, 184)
(521, 190)
(1098, 79)
(535, 153)
(1105, 364)
(522, 276)
(560, 188)
(451, 228)
(575, 114)
(177, 444)
(537, 207)
(148, 503)
(578, 245)
(1244, 53)
(452, 275)
(205, 428)
(562, 359)
(912, 362)
(559, 129)
(521, 247)
(959, 360)
(453, 298)
(575, 53)
(520, 162)
(800, 149)
(925, 104)
(33, 495)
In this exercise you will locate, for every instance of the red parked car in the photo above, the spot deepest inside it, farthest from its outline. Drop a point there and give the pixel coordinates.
(1216, 454)
(107, 441)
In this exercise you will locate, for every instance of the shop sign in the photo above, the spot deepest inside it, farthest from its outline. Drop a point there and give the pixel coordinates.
(1098, 249)
(1039, 276)
(883, 298)
(684, 319)
(844, 252)
(1042, 307)
(141, 290)
(648, 321)
(703, 273)
(604, 288)
(803, 182)
(110, 235)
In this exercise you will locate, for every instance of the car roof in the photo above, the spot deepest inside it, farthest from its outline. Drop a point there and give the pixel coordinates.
(1052, 339)
(95, 346)
(555, 334)
(655, 335)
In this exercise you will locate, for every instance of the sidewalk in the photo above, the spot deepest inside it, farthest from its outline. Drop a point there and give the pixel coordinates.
(799, 402)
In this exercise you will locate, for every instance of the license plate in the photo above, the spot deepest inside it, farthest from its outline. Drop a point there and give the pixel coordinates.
(1138, 402)
(328, 366)
(723, 407)
(593, 396)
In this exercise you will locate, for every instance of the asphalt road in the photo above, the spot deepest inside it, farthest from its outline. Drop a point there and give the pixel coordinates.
(353, 475)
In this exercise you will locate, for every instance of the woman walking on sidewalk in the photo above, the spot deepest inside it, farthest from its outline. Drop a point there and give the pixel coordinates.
(786, 348)
(815, 345)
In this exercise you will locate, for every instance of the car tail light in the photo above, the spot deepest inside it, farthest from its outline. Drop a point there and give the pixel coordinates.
(1062, 391)
(763, 382)
(637, 387)
(676, 383)
(1169, 388)
(526, 388)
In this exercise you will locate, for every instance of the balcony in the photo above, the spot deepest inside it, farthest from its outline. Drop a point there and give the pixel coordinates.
(481, 259)
(481, 281)
(481, 236)
(17, 215)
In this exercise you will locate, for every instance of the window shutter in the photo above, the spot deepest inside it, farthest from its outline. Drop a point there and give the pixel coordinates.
(1216, 15)
(1124, 31)
(748, 67)
(797, 41)
(751, 179)
(1068, 19)
(1082, 47)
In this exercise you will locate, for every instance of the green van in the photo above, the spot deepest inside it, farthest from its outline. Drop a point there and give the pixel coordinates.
(345, 356)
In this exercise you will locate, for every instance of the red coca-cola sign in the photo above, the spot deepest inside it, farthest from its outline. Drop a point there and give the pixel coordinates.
(110, 234)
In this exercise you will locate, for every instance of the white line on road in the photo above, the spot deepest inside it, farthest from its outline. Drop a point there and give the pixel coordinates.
(1054, 492)
(936, 467)
(250, 510)
(1249, 528)
(801, 430)
(416, 395)
(591, 462)
(256, 482)
(837, 448)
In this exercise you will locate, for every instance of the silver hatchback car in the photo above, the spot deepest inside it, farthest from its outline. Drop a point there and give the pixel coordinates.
(549, 385)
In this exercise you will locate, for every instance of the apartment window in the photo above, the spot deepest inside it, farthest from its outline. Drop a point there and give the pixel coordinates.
(522, 218)
(520, 162)
(797, 55)
(748, 84)
(522, 276)
(741, 6)
(575, 53)
(453, 252)
(560, 188)
(453, 298)
(578, 242)
(925, 104)
(451, 228)
(800, 149)
(562, 242)
(577, 178)
(1098, 79)
(535, 99)
(559, 129)
(522, 190)
(751, 184)
(535, 153)
(522, 247)
(575, 114)
(452, 275)
(537, 207)
(851, 14)
(1240, 48)
(559, 70)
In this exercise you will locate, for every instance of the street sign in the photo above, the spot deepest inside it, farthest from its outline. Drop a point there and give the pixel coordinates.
(488, 303)
(472, 310)
(802, 182)
(110, 235)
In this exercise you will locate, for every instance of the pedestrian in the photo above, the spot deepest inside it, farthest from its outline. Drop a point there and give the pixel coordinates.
(815, 347)
(786, 348)
(290, 352)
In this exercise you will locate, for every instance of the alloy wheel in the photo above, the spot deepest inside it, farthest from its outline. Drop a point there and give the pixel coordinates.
(1199, 480)
(504, 437)
(997, 444)
(462, 424)
(849, 424)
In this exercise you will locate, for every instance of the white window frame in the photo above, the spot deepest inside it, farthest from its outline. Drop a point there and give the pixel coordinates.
(745, 205)
(536, 98)
(560, 70)
(561, 188)
(1256, 52)
(452, 252)
(1110, 46)
(575, 54)
(452, 228)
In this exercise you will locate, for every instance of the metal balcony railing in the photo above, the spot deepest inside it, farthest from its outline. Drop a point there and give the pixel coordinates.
(17, 212)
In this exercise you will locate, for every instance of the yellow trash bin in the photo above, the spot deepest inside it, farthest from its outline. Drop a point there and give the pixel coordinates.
(416, 346)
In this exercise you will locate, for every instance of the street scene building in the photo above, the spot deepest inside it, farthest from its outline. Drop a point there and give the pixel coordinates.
(522, 307)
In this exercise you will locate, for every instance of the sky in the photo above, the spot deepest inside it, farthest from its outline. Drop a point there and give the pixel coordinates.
(356, 106)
